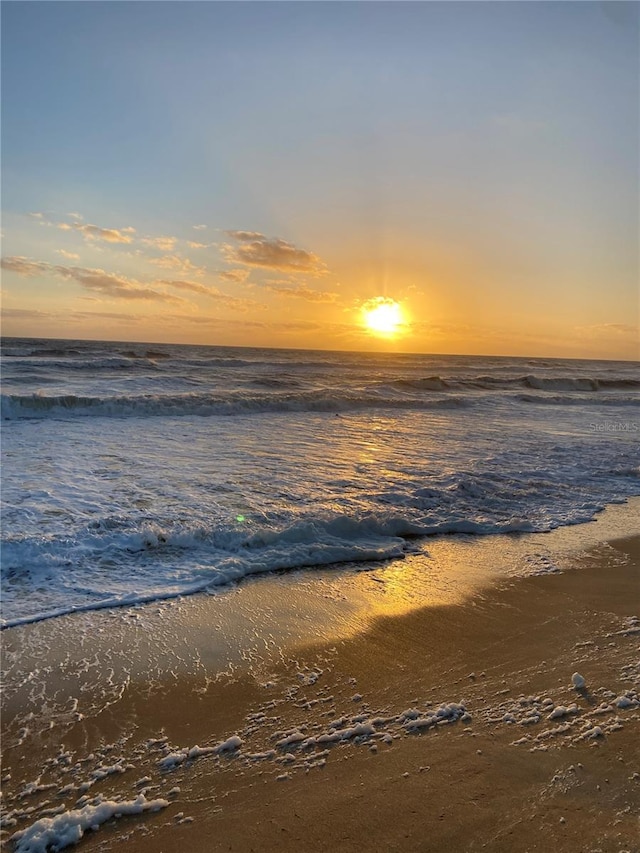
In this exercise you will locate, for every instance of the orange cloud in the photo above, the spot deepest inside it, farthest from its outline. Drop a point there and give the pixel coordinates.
(183, 266)
(108, 284)
(256, 250)
(95, 232)
(165, 244)
(93, 280)
(233, 275)
(212, 292)
(302, 292)
(24, 266)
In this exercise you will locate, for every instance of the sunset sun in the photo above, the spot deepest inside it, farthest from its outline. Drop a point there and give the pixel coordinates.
(382, 316)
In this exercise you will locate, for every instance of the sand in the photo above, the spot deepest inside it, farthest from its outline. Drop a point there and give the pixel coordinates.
(432, 710)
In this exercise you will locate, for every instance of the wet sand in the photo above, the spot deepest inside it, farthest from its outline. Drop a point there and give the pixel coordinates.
(371, 715)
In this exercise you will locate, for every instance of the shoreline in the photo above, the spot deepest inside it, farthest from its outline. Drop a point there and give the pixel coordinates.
(480, 571)
(283, 667)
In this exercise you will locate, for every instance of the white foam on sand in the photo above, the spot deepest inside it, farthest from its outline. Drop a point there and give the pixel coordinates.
(66, 829)
(175, 759)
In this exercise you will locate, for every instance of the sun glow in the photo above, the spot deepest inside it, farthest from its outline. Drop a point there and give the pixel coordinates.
(382, 316)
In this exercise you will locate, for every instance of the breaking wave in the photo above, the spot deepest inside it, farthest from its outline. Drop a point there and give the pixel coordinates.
(16, 406)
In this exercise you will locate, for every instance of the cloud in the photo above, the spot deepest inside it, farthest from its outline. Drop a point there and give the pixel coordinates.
(88, 230)
(245, 236)
(24, 266)
(93, 280)
(95, 232)
(294, 326)
(212, 292)
(108, 284)
(75, 316)
(70, 256)
(25, 314)
(165, 244)
(194, 286)
(233, 275)
(600, 329)
(105, 315)
(256, 250)
(301, 292)
(181, 265)
(193, 245)
(199, 227)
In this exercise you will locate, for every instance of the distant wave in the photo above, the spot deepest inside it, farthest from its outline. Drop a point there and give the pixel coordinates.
(532, 381)
(272, 382)
(88, 353)
(150, 354)
(429, 383)
(566, 383)
(564, 400)
(17, 406)
(117, 363)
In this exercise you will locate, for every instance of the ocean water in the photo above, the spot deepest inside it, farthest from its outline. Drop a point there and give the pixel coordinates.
(133, 472)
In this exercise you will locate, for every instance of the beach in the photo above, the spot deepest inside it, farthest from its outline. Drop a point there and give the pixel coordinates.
(320, 428)
(345, 710)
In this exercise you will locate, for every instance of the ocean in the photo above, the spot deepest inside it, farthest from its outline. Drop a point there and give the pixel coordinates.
(134, 472)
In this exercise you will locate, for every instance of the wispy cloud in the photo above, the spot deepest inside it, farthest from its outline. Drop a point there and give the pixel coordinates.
(301, 292)
(600, 329)
(70, 256)
(199, 227)
(25, 314)
(106, 315)
(108, 284)
(96, 232)
(165, 244)
(237, 303)
(255, 250)
(88, 230)
(93, 280)
(24, 266)
(245, 236)
(193, 286)
(248, 325)
(237, 276)
(183, 266)
(192, 244)
(75, 316)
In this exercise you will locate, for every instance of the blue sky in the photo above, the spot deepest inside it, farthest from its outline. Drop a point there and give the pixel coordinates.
(477, 162)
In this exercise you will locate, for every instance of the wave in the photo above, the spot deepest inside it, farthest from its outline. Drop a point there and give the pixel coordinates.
(148, 354)
(271, 382)
(566, 383)
(216, 556)
(116, 363)
(531, 381)
(564, 400)
(221, 555)
(18, 406)
(429, 383)
(92, 567)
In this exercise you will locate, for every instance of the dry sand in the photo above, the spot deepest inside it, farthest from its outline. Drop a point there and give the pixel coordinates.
(88, 694)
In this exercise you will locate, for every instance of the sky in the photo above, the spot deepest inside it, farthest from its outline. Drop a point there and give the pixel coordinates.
(263, 174)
